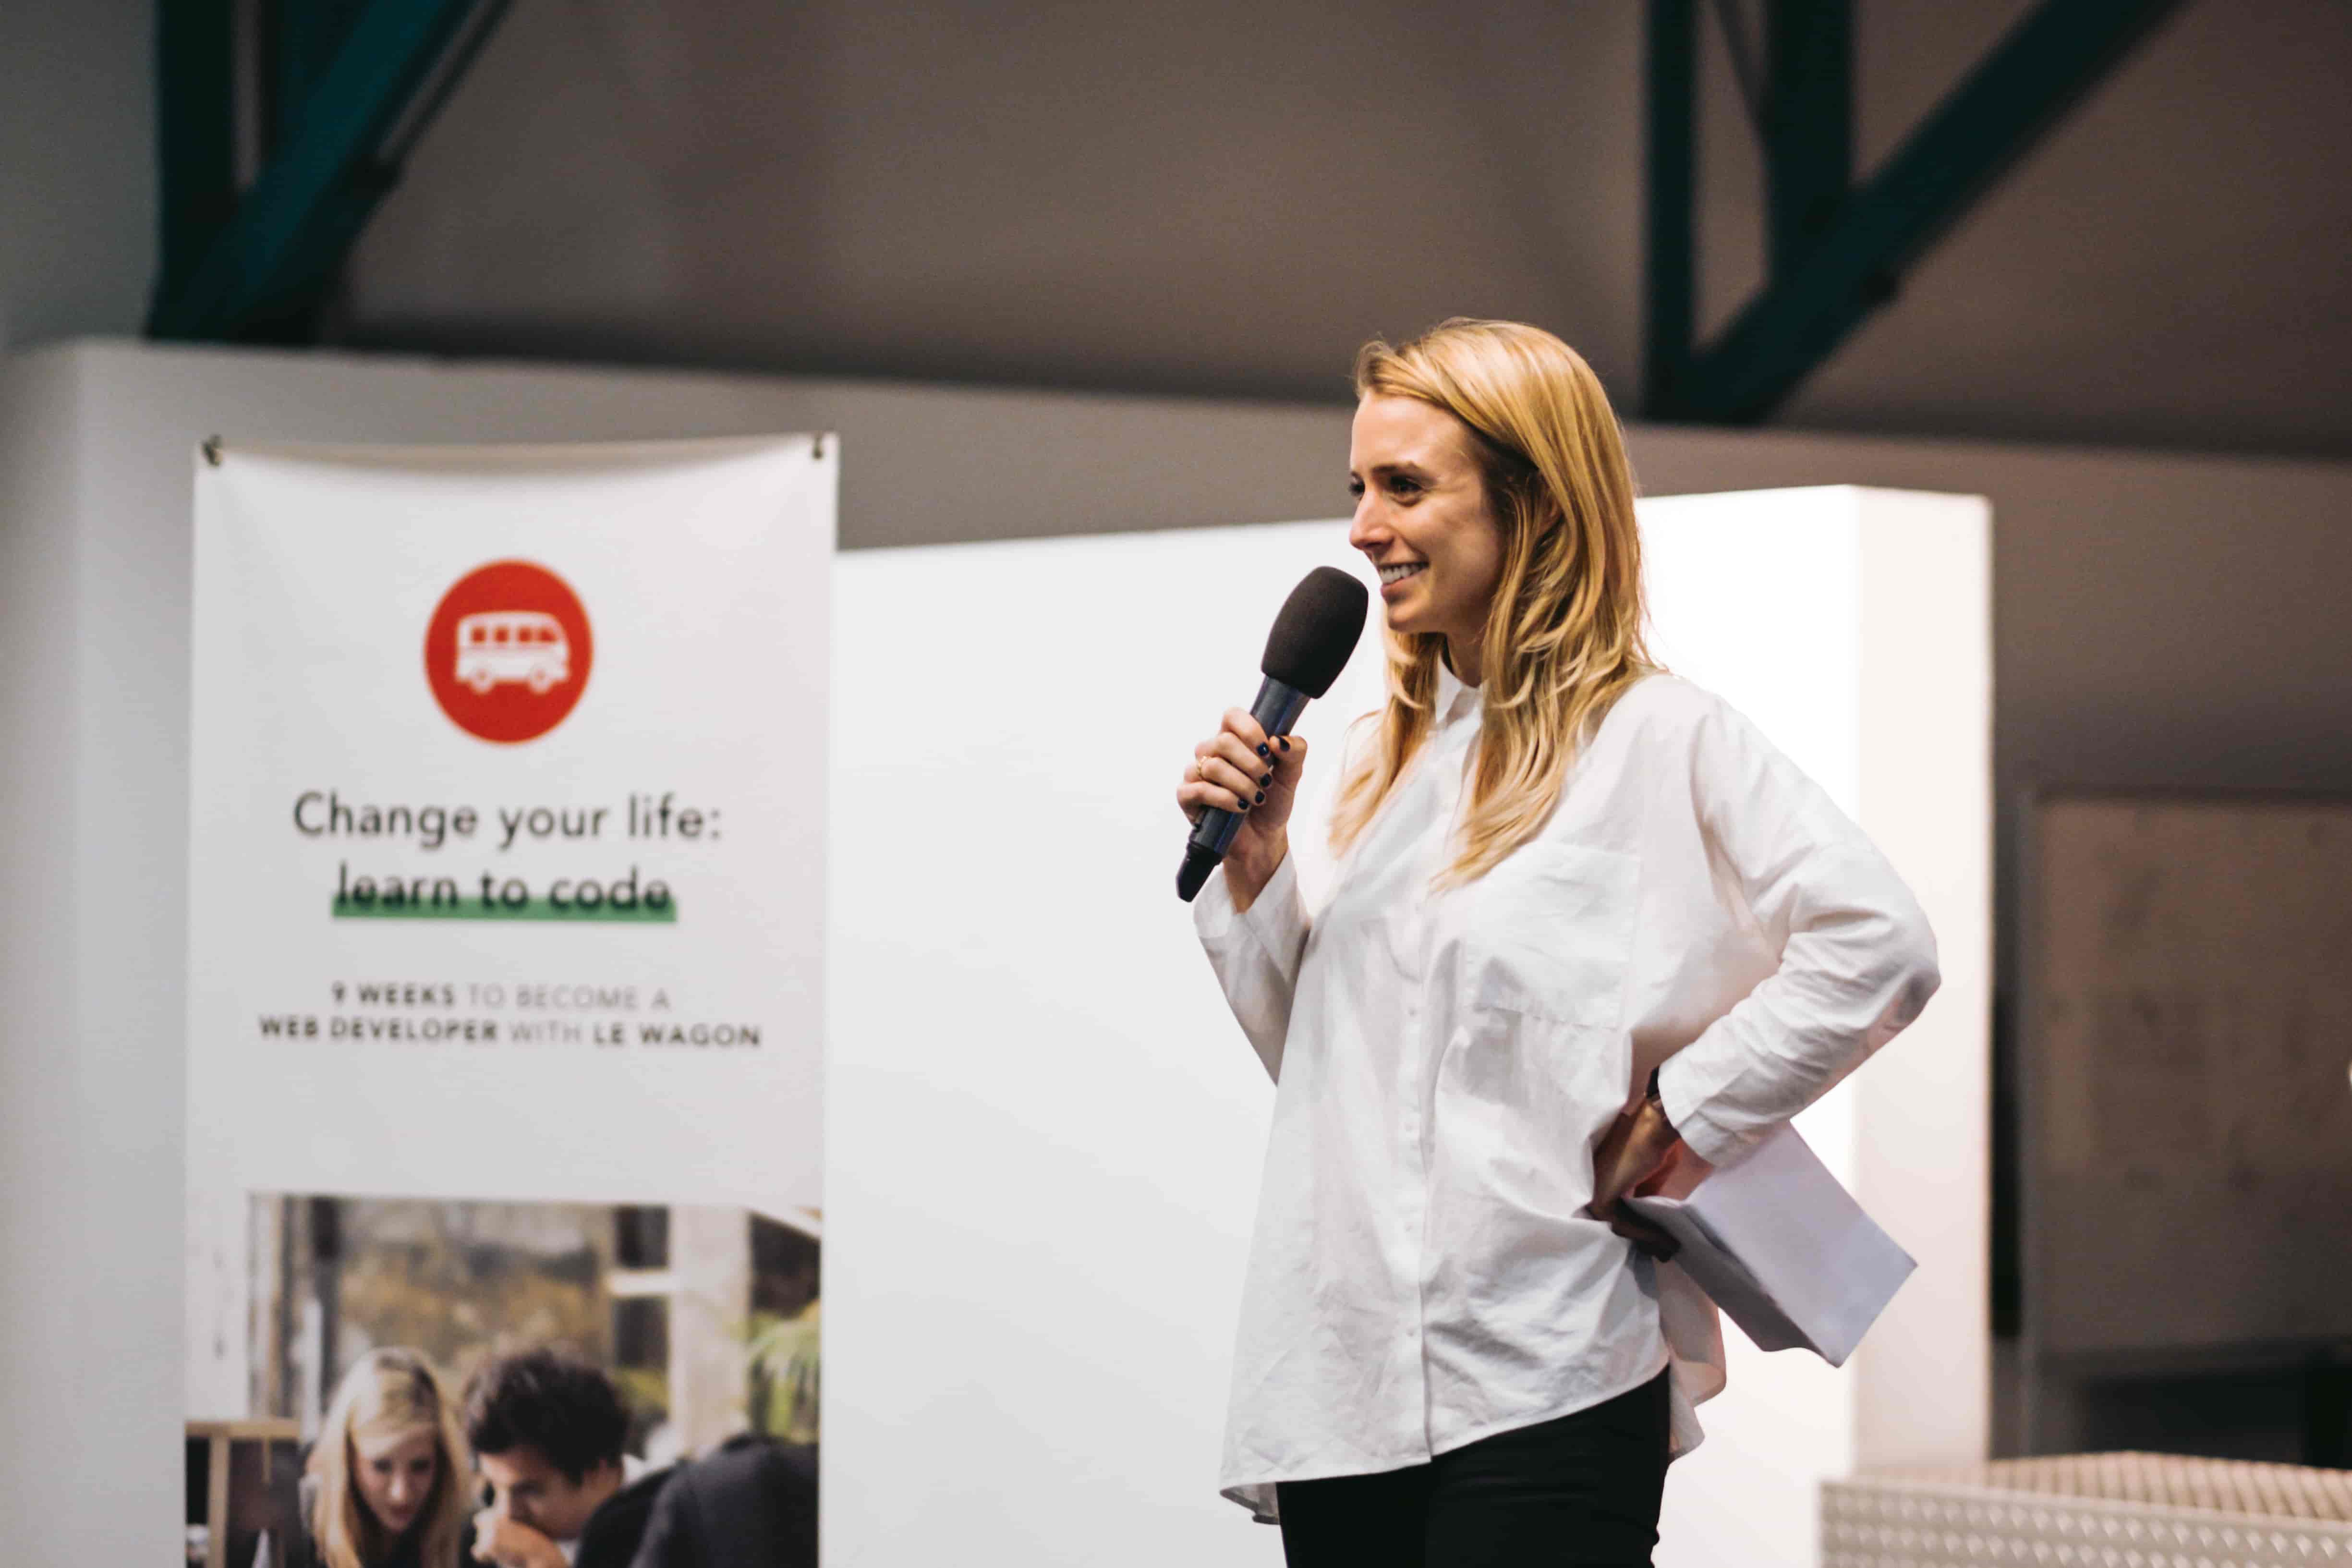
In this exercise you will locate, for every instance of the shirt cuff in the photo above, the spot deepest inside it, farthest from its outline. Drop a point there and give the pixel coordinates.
(1268, 920)
(1679, 1098)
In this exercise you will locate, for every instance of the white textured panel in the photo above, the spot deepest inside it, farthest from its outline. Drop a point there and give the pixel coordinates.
(2091, 1511)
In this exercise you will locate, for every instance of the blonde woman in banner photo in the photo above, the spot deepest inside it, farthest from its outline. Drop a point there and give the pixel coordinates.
(1590, 934)
(385, 1485)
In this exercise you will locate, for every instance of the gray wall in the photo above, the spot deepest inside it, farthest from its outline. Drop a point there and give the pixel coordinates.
(52, 1259)
(77, 169)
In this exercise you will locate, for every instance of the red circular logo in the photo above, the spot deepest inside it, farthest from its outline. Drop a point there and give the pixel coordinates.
(508, 652)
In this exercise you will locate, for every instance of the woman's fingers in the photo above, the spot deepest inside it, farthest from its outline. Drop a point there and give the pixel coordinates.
(1228, 773)
(1239, 754)
(1284, 756)
(1619, 1169)
(1220, 771)
(1195, 799)
(1649, 1186)
(1656, 1243)
(1245, 730)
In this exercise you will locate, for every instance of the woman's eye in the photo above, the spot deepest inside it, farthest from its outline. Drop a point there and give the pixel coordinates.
(1356, 489)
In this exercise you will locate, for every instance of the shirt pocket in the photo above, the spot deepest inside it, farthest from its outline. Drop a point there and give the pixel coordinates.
(1550, 932)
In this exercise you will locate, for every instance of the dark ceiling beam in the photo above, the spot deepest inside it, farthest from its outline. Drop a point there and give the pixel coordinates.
(298, 41)
(1668, 304)
(257, 269)
(1832, 266)
(195, 98)
(1808, 114)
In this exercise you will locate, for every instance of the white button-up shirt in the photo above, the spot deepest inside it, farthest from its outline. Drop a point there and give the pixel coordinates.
(1425, 1271)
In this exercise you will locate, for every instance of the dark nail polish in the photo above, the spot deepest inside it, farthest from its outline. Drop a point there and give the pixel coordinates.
(1261, 798)
(1264, 779)
(1263, 752)
(1285, 743)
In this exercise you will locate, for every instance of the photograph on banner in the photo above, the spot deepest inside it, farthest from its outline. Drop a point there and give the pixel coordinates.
(506, 897)
(675, 1331)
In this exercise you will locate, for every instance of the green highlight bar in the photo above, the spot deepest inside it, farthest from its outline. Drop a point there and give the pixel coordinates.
(641, 913)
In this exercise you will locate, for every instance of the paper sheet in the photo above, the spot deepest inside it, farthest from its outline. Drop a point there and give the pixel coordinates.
(1781, 1248)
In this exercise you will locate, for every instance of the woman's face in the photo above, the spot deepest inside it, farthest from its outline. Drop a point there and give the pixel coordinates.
(396, 1471)
(1422, 518)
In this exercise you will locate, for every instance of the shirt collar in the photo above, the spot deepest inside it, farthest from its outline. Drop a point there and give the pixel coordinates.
(1454, 700)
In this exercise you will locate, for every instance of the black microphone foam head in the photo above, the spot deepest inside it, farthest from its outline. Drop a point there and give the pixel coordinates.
(1317, 631)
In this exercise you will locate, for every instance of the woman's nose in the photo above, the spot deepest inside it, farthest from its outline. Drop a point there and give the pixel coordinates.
(1365, 530)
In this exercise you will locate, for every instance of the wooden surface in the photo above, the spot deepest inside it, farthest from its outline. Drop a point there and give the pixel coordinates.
(2187, 1115)
(219, 1437)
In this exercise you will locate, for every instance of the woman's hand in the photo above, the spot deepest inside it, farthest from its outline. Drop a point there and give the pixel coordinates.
(1639, 1156)
(511, 1544)
(1242, 768)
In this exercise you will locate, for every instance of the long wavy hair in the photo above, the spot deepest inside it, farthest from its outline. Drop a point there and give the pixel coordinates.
(386, 1394)
(1563, 637)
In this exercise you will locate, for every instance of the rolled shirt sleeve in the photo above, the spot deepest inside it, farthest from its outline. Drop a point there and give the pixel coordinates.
(1255, 953)
(1857, 958)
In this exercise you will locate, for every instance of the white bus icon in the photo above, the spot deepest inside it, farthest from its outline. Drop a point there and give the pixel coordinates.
(511, 647)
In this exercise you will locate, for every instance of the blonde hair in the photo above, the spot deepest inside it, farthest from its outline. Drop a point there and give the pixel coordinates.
(385, 1393)
(1563, 637)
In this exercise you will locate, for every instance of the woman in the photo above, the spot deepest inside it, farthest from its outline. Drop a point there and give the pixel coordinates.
(385, 1484)
(1590, 934)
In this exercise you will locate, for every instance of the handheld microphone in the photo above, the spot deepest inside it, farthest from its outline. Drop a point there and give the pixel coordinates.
(1304, 653)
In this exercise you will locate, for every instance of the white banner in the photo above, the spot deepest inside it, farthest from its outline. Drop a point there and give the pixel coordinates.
(507, 883)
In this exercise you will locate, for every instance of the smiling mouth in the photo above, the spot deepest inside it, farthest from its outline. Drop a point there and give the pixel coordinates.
(1399, 572)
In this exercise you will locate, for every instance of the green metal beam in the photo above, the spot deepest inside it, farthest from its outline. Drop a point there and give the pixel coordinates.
(274, 257)
(1668, 305)
(1808, 123)
(196, 125)
(2041, 69)
(300, 39)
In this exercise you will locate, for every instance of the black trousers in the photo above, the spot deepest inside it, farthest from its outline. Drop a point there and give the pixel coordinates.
(1583, 1489)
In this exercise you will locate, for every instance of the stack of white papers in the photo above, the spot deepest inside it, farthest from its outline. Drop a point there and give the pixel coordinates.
(1776, 1243)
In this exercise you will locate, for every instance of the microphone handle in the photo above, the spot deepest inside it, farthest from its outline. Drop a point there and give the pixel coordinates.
(1276, 709)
